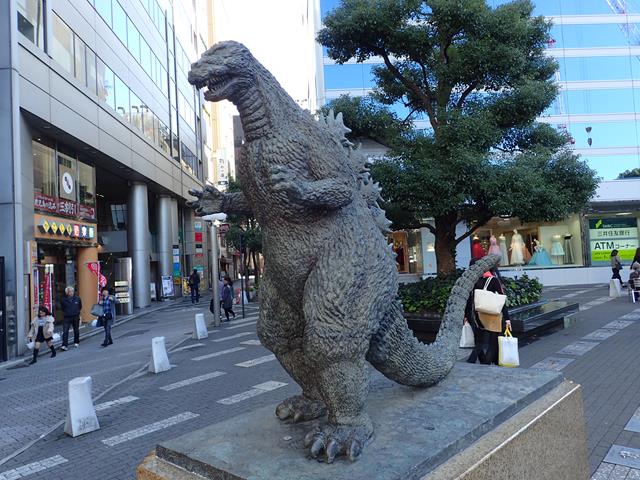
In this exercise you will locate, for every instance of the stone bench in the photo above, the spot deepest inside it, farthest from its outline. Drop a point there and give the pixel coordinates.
(526, 320)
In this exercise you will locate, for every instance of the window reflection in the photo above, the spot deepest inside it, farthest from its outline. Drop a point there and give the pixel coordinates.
(31, 20)
(62, 44)
(120, 22)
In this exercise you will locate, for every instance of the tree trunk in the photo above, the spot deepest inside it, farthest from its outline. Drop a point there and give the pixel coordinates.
(445, 245)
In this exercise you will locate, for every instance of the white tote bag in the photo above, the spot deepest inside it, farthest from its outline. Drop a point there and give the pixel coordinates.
(488, 302)
(614, 288)
(466, 339)
(508, 350)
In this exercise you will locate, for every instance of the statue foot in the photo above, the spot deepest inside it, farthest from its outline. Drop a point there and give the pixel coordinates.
(330, 441)
(300, 409)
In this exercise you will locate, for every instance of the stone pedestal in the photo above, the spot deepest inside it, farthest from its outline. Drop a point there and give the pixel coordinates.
(479, 423)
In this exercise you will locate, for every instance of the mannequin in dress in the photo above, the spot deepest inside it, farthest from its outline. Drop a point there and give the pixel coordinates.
(494, 249)
(504, 261)
(540, 257)
(517, 249)
(557, 252)
(477, 252)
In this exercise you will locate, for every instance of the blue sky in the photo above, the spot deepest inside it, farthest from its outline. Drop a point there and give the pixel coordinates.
(625, 99)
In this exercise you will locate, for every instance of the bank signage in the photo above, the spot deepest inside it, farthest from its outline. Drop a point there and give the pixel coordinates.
(607, 234)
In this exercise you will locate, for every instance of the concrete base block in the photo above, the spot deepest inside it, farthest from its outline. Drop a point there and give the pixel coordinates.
(159, 359)
(479, 423)
(199, 327)
(81, 415)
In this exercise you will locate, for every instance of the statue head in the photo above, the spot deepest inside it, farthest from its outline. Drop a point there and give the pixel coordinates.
(226, 69)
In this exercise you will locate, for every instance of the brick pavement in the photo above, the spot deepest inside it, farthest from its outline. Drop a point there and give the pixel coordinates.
(130, 429)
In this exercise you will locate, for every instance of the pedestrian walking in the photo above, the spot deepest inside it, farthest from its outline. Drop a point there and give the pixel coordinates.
(108, 316)
(486, 327)
(227, 298)
(41, 331)
(71, 307)
(194, 286)
(616, 266)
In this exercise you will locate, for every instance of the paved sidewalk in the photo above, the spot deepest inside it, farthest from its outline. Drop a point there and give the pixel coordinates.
(230, 373)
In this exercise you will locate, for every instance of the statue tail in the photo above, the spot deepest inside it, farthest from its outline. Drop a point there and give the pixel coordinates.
(398, 355)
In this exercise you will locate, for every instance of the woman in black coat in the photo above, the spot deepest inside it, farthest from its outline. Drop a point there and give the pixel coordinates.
(486, 342)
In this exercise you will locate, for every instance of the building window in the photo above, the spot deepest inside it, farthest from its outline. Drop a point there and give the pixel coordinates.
(87, 190)
(120, 22)
(122, 98)
(133, 39)
(91, 70)
(80, 59)
(119, 216)
(104, 9)
(105, 84)
(62, 47)
(31, 20)
(136, 111)
(44, 168)
(147, 119)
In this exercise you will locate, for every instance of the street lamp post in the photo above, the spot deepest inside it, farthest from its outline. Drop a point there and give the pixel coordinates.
(215, 263)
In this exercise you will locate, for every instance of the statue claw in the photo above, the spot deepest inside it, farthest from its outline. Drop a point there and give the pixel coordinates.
(300, 409)
(335, 440)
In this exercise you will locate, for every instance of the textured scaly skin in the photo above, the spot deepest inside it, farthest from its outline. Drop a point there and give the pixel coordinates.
(329, 291)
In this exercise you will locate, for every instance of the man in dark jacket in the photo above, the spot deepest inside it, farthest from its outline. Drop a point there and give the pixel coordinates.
(71, 306)
(194, 286)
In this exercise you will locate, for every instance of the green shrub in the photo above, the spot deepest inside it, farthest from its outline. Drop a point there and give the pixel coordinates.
(431, 294)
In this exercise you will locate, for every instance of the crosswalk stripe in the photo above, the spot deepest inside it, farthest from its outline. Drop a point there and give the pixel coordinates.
(217, 354)
(237, 335)
(192, 380)
(188, 347)
(246, 324)
(147, 429)
(255, 390)
(34, 467)
(251, 342)
(114, 403)
(256, 361)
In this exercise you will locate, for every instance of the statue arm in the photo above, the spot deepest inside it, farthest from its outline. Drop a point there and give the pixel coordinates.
(211, 200)
(329, 193)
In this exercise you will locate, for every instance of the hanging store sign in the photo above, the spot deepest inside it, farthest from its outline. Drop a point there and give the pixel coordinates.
(56, 228)
(45, 203)
(67, 183)
(608, 234)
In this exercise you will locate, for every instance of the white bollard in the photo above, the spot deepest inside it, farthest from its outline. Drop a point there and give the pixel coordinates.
(81, 416)
(200, 329)
(159, 360)
(614, 288)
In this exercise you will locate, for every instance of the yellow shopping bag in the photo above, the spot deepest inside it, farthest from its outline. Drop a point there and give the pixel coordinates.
(508, 350)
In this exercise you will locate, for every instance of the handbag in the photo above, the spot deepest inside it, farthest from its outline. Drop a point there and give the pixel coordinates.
(96, 310)
(508, 350)
(467, 340)
(491, 322)
(488, 302)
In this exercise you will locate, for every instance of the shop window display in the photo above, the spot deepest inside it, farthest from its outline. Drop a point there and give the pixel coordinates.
(407, 247)
(531, 245)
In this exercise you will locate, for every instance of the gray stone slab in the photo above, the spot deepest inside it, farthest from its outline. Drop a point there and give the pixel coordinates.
(625, 456)
(633, 425)
(600, 334)
(416, 430)
(553, 363)
(578, 348)
(618, 324)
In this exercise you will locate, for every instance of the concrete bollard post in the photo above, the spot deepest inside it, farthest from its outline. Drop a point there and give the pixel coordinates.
(81, 416)
(159, 359)
(200, 329)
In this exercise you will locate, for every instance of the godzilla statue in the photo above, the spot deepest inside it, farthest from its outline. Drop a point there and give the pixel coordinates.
(329, 292)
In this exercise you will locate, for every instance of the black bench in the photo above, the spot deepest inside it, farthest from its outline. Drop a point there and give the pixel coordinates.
(526, 320)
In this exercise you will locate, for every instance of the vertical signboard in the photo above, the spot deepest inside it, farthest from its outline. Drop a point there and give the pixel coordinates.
(607, 234)
(3, 314)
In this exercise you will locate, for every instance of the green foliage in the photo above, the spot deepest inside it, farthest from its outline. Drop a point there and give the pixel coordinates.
(368, 119)
(480, 77)
(431, 295)
(633, 173)
(522, 291)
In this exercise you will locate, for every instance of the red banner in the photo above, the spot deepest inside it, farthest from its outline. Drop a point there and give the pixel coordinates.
(47, 291)
(45, 203)
(95, 269)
